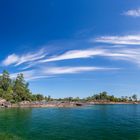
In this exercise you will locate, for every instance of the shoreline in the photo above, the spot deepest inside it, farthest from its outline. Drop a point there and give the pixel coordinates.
(62, 104)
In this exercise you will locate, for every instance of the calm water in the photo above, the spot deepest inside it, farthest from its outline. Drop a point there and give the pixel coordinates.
(99, 122)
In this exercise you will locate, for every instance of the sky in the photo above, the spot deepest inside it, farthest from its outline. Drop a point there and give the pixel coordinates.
(72, 47)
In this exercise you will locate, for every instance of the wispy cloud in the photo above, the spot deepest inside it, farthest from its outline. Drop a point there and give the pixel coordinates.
(115, 53)
(53, 71)
(74, 54)
(30, 75)
(72, 70)
(38, 60)
(124, 53)
(27, 74)
(25, 58)
(11, 59)
(133, 13)
(124, 40)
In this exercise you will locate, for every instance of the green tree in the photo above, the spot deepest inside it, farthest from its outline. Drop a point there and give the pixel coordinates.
(130, 98)
(5, 81)
(103, 96)
(6, 86)
(49, 98)
(39, 97)
(21, 91)
(134, 97)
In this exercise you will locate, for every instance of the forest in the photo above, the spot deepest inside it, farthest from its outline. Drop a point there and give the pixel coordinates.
(16, 90)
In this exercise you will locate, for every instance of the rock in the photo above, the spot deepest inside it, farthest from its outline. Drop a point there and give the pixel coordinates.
(2, 101)
(7, 104)
(79, 104)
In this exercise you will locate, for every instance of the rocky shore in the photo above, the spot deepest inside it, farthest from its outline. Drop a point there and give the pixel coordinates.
(37, 104)
(46, 104)
(4, 103)
(108, 102)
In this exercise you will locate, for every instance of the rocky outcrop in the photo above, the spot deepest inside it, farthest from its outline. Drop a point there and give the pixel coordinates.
(43, 104)
(47, 104)
(4, 103)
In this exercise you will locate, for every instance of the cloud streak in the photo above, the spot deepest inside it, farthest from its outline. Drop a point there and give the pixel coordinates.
(74, 54)
(72, 70)
(53, 71)
(115, 53)
(30, 75)
(25, 58)
(127, 54)
(124, 40)
(11, 59)
(122, 53)
(132, 13)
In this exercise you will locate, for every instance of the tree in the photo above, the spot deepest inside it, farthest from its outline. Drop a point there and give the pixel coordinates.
(103, 95)
(39, 97)
(49, 98)
(130, 98)
(21, 91)
(16, 90)
(33, 97)
(5, 81)
(96, 97)
(112, 98)
(6, 86)
(134, 97)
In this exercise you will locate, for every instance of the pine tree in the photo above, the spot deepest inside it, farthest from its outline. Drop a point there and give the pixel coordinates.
(6, 86)
(20, 89)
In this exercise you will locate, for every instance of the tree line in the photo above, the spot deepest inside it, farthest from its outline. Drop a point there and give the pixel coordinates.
(103, 96)
(17, 90)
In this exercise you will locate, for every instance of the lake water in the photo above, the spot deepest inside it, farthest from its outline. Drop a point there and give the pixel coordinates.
(98, 122)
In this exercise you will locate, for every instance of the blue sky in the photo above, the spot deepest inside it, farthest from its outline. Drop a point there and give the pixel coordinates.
(74, 47)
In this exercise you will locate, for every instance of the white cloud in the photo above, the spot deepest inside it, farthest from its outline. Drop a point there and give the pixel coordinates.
(74, 54)
(124, 40)
(36, 60)
(11, 59)
(27, 74)
(31, 75)
(25, 58)
(115, 53)
(50, 72)
(72, 70)
(128, 54)
(122, 53)
(133, 13)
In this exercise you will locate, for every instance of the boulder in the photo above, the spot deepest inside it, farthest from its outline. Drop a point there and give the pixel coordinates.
(2, 101)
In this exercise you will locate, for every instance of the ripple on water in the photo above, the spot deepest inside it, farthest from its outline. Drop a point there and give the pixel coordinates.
(98, 122)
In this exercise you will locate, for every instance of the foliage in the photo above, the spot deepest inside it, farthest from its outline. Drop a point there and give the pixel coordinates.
(134, 97)
(20, 89)
(104, 96)
(16, 90)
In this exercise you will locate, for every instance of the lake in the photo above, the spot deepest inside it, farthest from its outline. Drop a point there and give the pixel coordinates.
(97, 122)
